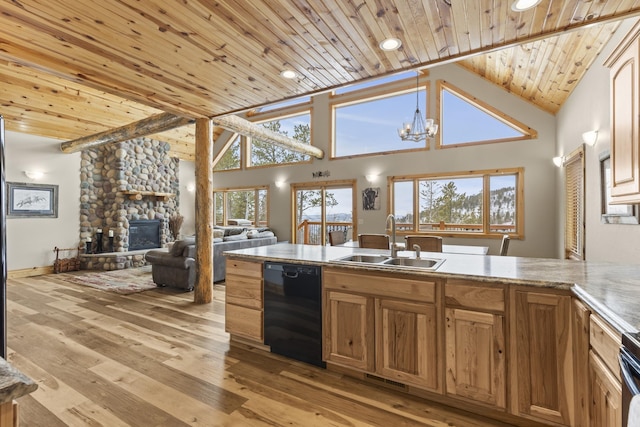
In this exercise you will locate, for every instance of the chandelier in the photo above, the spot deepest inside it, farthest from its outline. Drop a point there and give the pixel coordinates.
(419, 129)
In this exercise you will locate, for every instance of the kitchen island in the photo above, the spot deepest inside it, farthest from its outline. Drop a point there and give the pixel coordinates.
(509, 337)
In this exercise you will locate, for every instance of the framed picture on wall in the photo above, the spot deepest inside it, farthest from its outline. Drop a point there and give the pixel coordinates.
(613, 213)
(32, 200)
(371, 199)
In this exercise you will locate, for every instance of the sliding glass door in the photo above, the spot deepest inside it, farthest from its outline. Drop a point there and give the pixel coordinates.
(319, 208)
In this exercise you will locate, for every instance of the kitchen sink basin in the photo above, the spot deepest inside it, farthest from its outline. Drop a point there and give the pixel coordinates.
(387, 261)
(429, 263)
(371, 259)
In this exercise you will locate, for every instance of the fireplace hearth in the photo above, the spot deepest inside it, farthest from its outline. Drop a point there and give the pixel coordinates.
(144, 234)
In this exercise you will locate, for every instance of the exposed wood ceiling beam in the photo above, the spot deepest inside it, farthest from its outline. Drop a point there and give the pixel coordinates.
(154, 124)
(166, 121)
(247, 128)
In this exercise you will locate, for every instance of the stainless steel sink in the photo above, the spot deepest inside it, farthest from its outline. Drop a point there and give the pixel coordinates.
(370, 259)
(429, 263)
(387, 261)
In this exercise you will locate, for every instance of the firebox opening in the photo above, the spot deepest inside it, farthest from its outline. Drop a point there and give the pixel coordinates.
(144, 234)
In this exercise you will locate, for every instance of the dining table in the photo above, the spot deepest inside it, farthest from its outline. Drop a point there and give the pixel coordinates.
(451, 249)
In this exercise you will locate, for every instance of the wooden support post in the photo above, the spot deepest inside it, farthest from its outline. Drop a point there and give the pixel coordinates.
(203, 291)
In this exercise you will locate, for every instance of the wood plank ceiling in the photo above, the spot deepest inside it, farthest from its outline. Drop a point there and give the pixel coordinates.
(74, 68)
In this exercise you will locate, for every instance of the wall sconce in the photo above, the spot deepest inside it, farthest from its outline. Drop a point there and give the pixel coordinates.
(371, 178)
(590, 137)
(279, 183)
(558, 161)
(35, 175)
(191, 187)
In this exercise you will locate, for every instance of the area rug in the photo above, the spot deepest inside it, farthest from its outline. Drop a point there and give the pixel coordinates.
(127, 281)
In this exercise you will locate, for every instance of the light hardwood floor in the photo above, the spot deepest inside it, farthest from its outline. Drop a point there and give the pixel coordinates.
(156, 359)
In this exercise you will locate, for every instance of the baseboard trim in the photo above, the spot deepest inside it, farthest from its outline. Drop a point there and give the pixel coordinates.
(29, 272)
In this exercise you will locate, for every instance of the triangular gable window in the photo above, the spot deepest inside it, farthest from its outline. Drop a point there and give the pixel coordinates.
(466, 120)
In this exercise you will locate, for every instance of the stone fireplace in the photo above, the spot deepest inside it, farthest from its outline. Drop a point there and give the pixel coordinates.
(144, 234)
(124, 183)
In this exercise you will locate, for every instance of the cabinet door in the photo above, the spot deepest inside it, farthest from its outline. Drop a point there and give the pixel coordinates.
(606, 395)
(407, 342)
(349, 330)
(543, 373)
(625, 172)
(475, 359)
(580, 316)
(244, 300)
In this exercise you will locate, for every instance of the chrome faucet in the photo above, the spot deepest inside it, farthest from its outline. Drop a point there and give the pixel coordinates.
(417, 249)
(394, 245)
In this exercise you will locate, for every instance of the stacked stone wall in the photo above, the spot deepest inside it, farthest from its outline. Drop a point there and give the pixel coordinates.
(106, 172)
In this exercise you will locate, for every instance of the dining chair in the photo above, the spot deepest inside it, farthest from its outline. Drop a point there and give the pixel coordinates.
(426, 243)
(504, 246)
(336, 237)
(373, 241)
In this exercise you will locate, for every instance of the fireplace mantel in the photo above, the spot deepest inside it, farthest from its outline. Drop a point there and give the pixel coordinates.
(138, 195)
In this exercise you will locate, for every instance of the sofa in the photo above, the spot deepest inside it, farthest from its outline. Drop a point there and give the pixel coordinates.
(176, 266)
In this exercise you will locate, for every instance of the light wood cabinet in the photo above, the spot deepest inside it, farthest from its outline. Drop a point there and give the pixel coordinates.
(606, 395)
(475, 342)
(542, 356)
(605, 409)
(244, 301)
(625, 134)
(383, 324)
(349, 330)
(406, 342)
(580, 315)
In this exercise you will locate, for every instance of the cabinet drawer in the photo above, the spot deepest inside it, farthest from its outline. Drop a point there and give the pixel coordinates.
(470, 294)
(244, 268)
(245, 291)
(244, 321)
(381, 285)
(606, 342)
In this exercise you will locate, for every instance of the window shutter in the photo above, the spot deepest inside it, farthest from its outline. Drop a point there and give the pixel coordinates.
(574, 205)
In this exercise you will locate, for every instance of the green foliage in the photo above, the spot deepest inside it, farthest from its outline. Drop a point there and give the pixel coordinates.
(264, 153)
(308, 199)
(442, 202)
(231, 157)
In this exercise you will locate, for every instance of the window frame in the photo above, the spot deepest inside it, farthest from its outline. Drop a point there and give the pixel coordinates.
(518, 233)
(227, 190)
(272, 115)
(528, 132)
(574, 205)
(374, 93)
(323, 186)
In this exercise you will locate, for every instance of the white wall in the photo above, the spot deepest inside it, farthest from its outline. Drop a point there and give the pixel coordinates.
(588, 108)
(30, 241)
(187, 197)
(534, 155)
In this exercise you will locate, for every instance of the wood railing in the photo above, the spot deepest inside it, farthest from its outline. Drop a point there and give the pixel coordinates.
(309, 232)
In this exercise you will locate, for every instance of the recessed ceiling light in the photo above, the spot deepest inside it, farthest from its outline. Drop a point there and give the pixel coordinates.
(288, 74)
(522, 5)
(390, 44)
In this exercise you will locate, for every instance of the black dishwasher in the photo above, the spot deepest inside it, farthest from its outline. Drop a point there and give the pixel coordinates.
(293, 311)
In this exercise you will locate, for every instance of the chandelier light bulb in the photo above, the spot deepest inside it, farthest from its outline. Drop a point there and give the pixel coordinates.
(420, 128)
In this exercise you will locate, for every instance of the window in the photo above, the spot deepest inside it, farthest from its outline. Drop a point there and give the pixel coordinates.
(366, 121)
(292, 118)
(480, 203)
(459, 109)
(241, 203)
(574, 205)
(265, 153)
(321, 208)
(231, 158)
